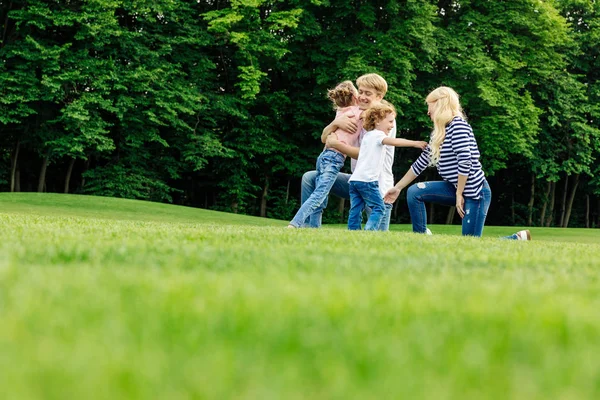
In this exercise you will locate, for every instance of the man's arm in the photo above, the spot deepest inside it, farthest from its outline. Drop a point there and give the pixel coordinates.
(344, 122)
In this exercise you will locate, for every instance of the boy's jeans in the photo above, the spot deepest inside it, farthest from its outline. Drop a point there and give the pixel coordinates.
(361, 194)
(443, 192)
(329, 164)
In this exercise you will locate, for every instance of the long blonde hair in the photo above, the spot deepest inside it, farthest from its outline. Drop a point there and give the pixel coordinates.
(447, 107)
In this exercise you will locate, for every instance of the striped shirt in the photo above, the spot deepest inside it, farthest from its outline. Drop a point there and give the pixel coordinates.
(459, 155)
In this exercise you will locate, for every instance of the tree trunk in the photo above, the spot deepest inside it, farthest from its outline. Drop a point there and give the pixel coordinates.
(18, 180)
(263, 200)
(86, 166)
(545, 204)
(234, 206)
(341, 207)
(14, 166)
(450, 216)
(570, 203)
(431, 212)
(512, 207)
(551, 210)
(563, 205)
(42, 180)
(287, 191)
(531, 202)
(587, 210)
(68, 177)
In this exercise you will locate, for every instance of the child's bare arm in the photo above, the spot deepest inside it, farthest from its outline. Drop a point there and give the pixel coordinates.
(419, 144)
(334, 143)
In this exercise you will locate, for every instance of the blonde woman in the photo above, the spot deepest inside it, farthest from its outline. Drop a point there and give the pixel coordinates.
(453, 150)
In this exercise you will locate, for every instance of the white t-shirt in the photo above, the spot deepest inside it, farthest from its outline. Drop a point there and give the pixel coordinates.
(386, 178)
(370, 157)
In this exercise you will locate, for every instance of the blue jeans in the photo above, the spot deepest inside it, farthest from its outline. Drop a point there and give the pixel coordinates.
(445, 193)
(329, 164)
(384, 225)
(361, 194)
(340, 189)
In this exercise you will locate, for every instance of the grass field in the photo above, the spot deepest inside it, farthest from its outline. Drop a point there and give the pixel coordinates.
(118, 299)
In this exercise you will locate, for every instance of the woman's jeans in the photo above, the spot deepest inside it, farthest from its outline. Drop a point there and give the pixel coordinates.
(361, 194)
(329, 165)
(445, 193)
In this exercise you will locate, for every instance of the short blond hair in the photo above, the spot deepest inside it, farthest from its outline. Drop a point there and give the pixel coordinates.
(378, 112)
(374, 81)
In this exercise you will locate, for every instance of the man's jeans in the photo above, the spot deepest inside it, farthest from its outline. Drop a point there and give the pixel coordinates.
(329, 164)
(340, 189)
(445, 193)
(361, 194)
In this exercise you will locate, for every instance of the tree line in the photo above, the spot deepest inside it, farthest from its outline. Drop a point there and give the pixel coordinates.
(220, 104)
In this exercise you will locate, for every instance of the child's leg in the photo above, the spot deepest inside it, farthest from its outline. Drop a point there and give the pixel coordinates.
(440, 192)
(476, 212)
(339, 189)
(384, 225)
(356, 206)
(328, 167)
(372, 197)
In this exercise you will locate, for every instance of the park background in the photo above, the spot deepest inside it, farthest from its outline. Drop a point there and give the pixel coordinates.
(220, 104)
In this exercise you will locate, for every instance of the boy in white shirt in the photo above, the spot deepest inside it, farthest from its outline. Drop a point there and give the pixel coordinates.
(364, 182)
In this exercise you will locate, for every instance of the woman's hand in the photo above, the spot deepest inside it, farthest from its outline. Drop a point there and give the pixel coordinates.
(332, 141)
(421, 144)
(460, 205)
(391, 195)
(346, 123)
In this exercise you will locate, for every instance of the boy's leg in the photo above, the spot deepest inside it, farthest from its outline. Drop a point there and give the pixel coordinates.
(372, 197)
(440, 192)
(384, 225)
(476, 212)
(328, 169)
(356, 206)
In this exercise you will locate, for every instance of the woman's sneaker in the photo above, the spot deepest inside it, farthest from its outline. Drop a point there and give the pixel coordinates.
(523, 235)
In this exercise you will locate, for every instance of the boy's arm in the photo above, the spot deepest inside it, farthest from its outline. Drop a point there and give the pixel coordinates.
(404, 143)
(334, 143)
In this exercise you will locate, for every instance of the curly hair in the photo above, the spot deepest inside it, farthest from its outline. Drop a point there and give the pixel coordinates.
(377, 112)
(342, 94)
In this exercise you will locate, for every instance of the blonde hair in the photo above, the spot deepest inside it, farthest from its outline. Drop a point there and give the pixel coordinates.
(447, 107)
(373, 81)
(343, 94)
(376, 113)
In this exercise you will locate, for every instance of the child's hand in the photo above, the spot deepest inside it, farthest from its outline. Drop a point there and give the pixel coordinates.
(421, 144)
(391, 195)
(332, 140)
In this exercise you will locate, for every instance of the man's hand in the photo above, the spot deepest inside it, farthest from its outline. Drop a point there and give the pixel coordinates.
(332, 141)
(460, 205)
(346, 123)
(391, 195)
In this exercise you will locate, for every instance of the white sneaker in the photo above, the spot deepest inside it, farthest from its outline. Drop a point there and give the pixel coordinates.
(428, 232)
(524, 235)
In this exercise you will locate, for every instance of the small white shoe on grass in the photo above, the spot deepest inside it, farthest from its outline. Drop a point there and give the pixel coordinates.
(428, 232)
(524, 235)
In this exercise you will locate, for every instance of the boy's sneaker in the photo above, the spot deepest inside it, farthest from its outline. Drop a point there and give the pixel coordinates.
(428, 232)
(523, 235)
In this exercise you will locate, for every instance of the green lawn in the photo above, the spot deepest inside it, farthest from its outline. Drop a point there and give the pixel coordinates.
(118, 299)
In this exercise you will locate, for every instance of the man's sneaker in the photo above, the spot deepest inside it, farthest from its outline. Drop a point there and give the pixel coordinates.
(523, 235)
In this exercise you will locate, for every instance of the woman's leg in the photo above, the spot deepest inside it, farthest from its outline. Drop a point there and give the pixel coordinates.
(440, 192)
(476, 212)
(356, 206)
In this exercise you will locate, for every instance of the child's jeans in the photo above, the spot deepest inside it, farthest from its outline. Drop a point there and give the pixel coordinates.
(445, 193)
(361, 194)
(329, 164)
